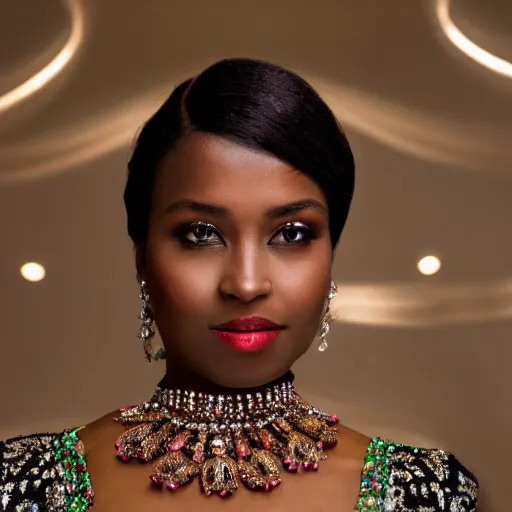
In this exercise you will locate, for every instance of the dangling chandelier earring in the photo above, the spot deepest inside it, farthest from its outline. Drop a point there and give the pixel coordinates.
(147, 331)
(326, 320)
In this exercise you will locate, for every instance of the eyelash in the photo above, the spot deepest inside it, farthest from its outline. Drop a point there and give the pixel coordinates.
(308, 234)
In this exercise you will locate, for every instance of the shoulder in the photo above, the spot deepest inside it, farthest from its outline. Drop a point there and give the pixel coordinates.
(43, 472)
(406, 478)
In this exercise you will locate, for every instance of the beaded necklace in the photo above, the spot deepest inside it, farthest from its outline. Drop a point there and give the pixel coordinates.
(224, 440)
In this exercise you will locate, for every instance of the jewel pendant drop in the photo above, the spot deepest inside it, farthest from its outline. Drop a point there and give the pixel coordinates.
(226, 442)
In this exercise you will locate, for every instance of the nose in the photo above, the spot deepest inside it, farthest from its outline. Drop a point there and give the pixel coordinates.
(246, 276)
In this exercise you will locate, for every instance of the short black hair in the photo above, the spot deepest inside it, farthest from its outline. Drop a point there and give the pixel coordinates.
(259, 105)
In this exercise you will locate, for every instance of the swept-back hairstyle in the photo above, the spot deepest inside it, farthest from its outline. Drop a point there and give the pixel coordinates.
(258, 105)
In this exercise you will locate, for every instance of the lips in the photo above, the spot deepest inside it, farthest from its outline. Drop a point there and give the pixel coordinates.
(252, 334)
(253, 323)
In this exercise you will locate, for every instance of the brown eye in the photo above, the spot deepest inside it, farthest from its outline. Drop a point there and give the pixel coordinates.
(198, 233)
(294, 233)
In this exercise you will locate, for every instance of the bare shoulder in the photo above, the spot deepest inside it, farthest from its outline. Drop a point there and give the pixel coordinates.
(341, 473)
(352, 446)
(101, 431)
(112, 486)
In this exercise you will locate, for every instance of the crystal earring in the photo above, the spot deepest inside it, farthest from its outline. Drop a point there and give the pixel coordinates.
(326, 320)
(147, 331)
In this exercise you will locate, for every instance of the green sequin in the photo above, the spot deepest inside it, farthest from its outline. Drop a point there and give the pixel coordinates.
(374, 477)
(69, 452)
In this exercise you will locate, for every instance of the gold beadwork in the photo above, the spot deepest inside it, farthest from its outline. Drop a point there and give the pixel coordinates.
(226, 440)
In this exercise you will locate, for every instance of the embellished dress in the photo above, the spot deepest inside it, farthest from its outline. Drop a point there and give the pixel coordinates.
(48, 472)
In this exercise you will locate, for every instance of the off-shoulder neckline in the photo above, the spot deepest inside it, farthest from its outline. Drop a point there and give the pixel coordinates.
(373, 480)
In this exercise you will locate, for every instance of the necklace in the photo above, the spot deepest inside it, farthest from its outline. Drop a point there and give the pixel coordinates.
(226, 441)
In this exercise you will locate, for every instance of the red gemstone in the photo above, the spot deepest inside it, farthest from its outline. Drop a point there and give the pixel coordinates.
(242, 450)
(333, 419)
(293, 467)
(178, 442)
(79, 447)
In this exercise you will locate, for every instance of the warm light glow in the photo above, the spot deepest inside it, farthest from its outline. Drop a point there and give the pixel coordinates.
(424, 303)
(51, 70)
(433, 137)
(89, 139)
(33, 272)
(466, 46)
(429, 265)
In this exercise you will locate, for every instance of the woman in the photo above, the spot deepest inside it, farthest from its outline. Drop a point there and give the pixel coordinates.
(237, 193)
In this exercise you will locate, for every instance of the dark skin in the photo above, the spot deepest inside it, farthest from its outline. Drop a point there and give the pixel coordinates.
(243, 266)
(206, 266)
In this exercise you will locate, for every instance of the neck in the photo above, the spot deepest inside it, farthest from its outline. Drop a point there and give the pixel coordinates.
(177, 378)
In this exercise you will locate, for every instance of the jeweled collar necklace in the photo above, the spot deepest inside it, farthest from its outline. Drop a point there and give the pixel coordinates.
(226, 440)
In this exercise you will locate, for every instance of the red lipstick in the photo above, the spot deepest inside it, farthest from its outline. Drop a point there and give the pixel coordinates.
(252, 334)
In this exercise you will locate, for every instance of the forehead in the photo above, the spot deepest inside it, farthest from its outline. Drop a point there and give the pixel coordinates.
(213, 169)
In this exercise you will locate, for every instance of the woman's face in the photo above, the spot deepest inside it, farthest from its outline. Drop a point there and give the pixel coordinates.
(222, 245)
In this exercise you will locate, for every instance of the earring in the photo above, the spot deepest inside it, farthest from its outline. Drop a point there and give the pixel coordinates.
(147, 332)
(326, 320)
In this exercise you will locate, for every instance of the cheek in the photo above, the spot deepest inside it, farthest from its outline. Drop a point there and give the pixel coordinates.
(183, 282)
(304, 290)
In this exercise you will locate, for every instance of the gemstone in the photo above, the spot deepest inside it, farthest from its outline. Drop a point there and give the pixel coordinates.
(218, 443)
(236, 430)
(333, 419)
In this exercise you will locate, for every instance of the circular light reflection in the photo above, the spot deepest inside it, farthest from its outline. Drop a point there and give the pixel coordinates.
(33, 272)
(429, 265)
(52, 69)
(468, 47)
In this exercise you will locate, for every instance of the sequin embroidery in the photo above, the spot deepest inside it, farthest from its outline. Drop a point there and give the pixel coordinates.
(402, 478)
(45, 472)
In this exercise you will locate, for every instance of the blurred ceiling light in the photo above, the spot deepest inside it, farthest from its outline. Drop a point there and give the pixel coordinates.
(468, 47)
(429, 265)
(60, 61)
(33, 272)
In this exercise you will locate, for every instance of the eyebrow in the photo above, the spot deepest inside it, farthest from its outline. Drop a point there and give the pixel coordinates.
(276, 212)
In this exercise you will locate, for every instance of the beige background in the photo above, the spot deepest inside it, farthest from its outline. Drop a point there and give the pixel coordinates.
(421, 360)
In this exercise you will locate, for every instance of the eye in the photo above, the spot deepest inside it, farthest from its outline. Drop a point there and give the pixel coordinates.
(294, 233)
(198, 233)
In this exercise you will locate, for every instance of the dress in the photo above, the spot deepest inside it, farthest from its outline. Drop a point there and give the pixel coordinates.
(48, 472)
